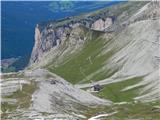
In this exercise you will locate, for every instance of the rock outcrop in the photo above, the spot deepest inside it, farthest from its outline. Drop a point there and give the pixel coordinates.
(134, 46)
(102, 24)
(103, 51)
(52, 36)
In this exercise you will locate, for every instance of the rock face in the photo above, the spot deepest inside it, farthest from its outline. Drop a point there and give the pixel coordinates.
(133, 49)
(149, 11)
(136, 41)
(102, 24)
(52, 34)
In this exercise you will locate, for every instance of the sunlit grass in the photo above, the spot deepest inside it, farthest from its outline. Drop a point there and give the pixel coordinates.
(114, 91)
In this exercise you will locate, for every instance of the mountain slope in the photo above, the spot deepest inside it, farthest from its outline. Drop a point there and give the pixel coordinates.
(116, 48)
(51, 34)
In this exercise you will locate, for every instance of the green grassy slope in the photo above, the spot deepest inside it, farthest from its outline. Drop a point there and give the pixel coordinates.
(23, 97)
(91, 62)
(86, 62)
(132, 111)
(114, 91)
(85, 66)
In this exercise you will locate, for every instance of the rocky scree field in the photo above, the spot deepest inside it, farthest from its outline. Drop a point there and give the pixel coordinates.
(116, 48)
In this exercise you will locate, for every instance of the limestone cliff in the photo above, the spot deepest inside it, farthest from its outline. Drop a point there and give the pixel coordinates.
(51, 34)
(116, 49)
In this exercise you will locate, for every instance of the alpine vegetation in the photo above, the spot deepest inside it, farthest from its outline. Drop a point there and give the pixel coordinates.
(99, 65)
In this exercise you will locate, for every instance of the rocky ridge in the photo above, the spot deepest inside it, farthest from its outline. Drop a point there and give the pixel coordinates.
(49, 35)
(134, 40)
(129, 60)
